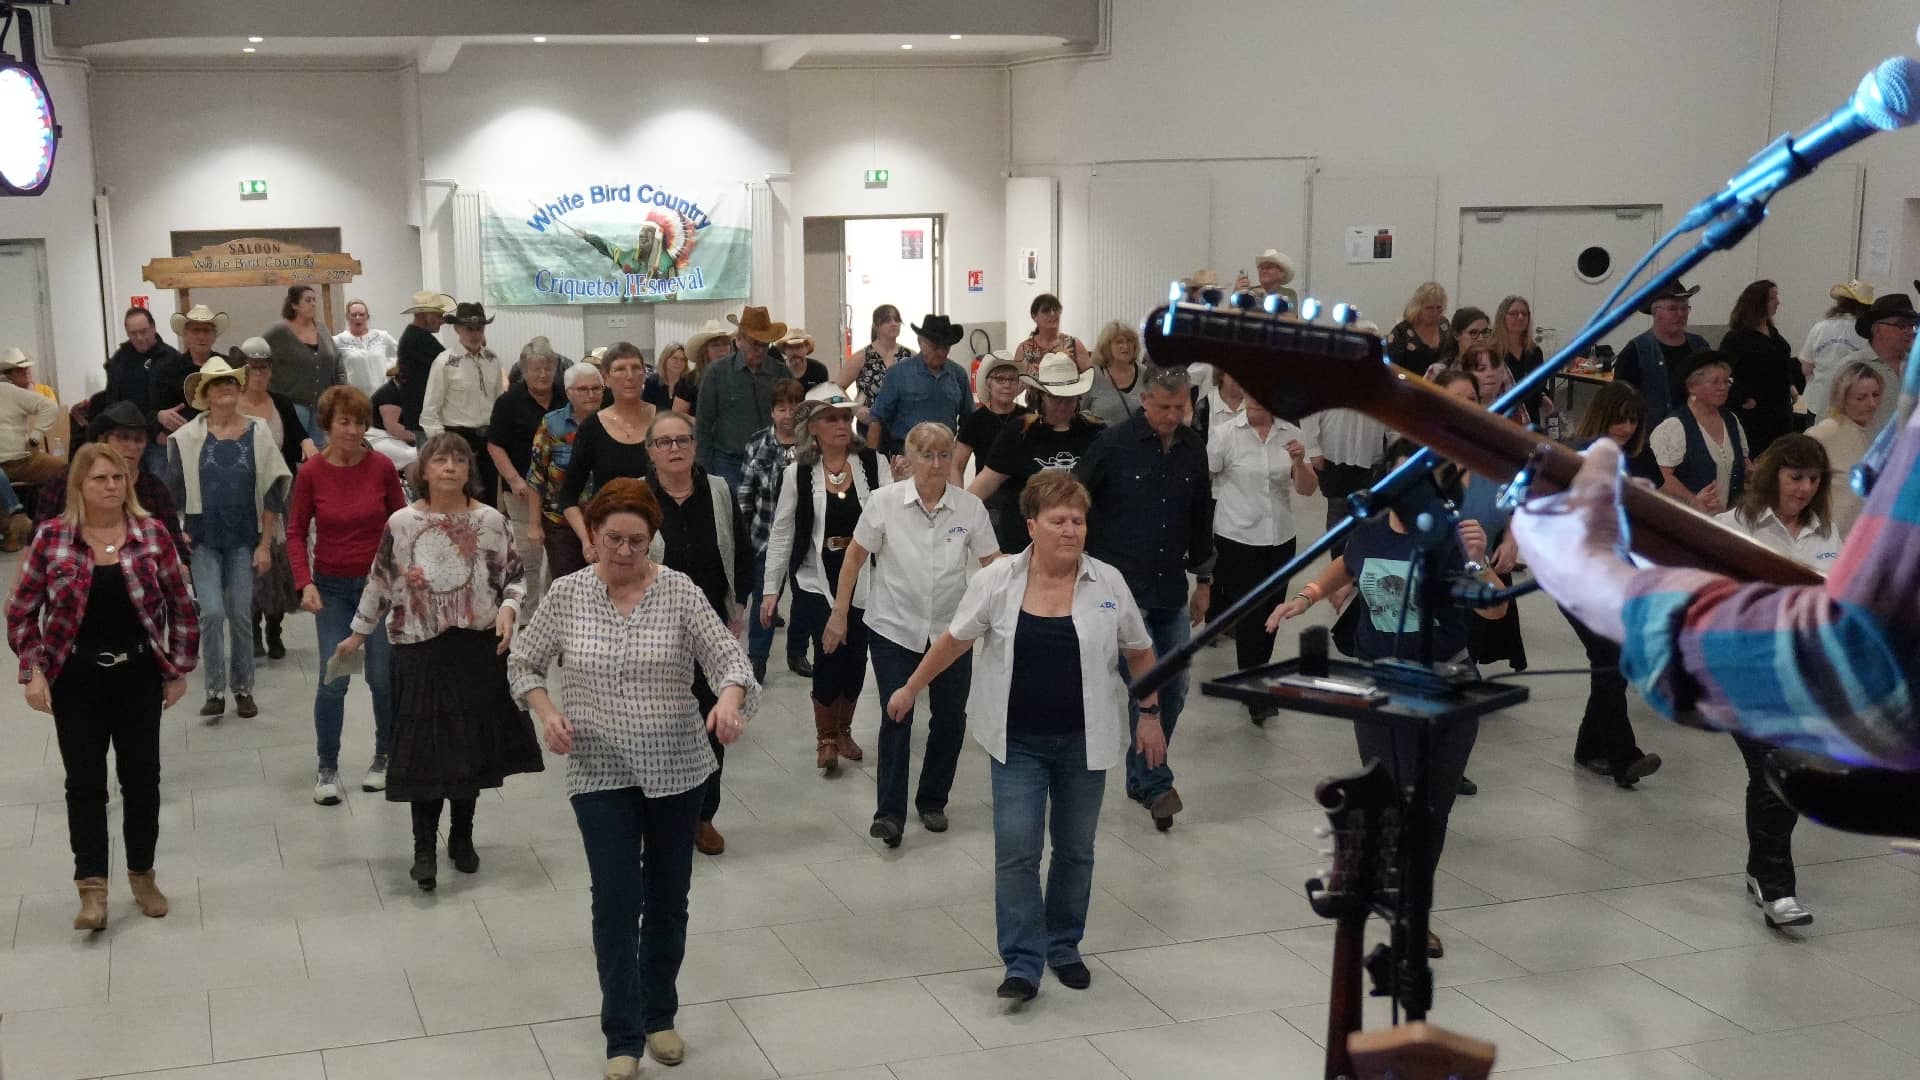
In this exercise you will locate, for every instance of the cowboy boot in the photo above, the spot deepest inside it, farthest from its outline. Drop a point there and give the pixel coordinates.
(460, 838)
(276, 648)
(826, 728)
(147, 895)
(843, 731)
(426, 838)
(93, 904)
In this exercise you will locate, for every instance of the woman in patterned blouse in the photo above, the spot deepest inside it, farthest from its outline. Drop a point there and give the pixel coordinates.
(630, 632)
(106, 633)
(868, 370)
(449, 586)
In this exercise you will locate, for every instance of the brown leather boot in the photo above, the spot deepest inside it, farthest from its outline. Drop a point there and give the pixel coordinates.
(93, 904)
(826, 727)
(843, 731)
(147, 895)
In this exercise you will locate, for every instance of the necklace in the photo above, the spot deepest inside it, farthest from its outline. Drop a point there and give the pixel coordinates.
(88, 532)
(837, 478)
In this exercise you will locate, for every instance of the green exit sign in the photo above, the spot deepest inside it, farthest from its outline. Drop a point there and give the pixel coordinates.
(877, 178)
(253, 189)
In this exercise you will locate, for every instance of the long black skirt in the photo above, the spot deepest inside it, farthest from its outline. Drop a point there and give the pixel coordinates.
(455, 726)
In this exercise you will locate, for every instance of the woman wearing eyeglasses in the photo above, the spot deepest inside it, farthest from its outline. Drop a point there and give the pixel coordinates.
(1701, 449)
(703, 536)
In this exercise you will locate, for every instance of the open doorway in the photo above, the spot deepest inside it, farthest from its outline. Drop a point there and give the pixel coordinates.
(26, 309)
(854, 264)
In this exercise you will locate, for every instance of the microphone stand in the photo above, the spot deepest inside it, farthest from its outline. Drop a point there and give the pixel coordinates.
(1726, 231)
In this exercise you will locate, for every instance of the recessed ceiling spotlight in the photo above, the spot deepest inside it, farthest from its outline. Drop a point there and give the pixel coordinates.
(249, 49)
(539, 39)
(953, 37)
(256, 40)
(908, 45)
(702, 39)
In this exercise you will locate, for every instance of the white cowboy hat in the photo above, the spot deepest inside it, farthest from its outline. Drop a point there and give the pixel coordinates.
(1275, 257)
(211, 372)
(697, 341)
(429, 302)
(199, 313)
(256, 348)
(998, 360)
(1058, 376)
(14, 359)
(828, 395)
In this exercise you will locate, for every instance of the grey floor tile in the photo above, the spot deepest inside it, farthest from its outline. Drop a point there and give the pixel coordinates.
(1110, 1004)
(47, 918)
(850, 1026)
(1532, 867)
(1220, 977)
(739, 963)
(499, 1054)
(1451, 1010)
(1828, 1050)
(207, 960)
(718, 1047)
(284, 1018)
(487, 991)
(1194, 907)
(285, 1067)
(867, 948)
(765, 897)
(1772, 987)
(1706, 913)
(391, 940)
(1111, 925)
(248, 898)
(507, 870)
(1251, 1046)
(1600, 1011)
(99, 1040)
(918, 877)
(1899, 1030)
(1040, 1061)
(51, 976)
(1649, 1065)
(539, 922)
(1560, 933)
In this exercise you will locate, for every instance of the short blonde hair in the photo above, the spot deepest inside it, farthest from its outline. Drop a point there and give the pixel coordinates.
(930, 436)
(1110, 334)
(1050, 488)
(1429, 292)
(83, 461)
(1848, 378)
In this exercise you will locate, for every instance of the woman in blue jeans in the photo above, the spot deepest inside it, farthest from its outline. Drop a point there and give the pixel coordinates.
(225, 472)
(346, 493)
(1051, 710)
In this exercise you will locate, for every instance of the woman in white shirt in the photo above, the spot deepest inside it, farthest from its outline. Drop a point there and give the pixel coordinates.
(1053, 624)
(1846, 433)
(365, 353)
(1258, 463)
(1786, 508)
(1833, 343)
(926, 530)
(1702, 449)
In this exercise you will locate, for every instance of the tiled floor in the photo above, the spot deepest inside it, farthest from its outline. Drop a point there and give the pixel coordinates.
(1592, 933)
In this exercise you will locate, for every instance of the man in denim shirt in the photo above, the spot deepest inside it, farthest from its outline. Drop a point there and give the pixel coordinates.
(923, 388)
(736, 396)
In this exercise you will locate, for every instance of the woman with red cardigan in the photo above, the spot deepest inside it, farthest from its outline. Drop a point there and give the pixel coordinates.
(346, 494)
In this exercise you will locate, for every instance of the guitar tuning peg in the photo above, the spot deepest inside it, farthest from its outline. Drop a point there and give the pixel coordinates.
(1309, 309)
(1321, 832)
(1213, 297)
(1345, 314)
(1245, 301)
(1275, 304)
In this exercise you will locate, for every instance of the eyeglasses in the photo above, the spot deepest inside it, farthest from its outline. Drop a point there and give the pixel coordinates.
(1485, 331)
(672, 442)
(1004, 375)
(607, 541)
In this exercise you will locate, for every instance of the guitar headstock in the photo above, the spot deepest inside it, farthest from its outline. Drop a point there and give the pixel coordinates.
(1363, 820)
(1292, 363)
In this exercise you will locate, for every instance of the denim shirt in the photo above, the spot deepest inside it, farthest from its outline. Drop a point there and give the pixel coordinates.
(913, 393)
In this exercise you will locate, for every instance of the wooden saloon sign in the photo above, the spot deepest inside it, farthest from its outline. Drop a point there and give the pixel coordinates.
(253, 261)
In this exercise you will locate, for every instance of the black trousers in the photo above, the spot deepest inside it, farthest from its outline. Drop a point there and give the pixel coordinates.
(893, 665)
(841, 674)
(704, 697)
(1338, 481)
(1239, 568)
(94, 707)
(1397, 746)
(485, 474)
(1770, 825)
(1605, 732)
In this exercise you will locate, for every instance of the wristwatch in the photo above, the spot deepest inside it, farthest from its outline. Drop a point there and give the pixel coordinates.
(1150, 710)
(1203, 579)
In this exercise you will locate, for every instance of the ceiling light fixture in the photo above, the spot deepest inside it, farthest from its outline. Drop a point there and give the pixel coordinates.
(953, 37)
(539, 39)
(909, 45)
(702, 39)
(249, 49)
(256, 40)
(29, 136)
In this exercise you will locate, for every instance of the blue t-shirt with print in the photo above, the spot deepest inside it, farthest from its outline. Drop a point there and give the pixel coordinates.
(1380, 561)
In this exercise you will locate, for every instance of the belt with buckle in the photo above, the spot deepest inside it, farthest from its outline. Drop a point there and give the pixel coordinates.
(837, 543)
(105, 659)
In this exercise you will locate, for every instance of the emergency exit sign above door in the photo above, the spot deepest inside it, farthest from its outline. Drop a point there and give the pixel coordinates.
(877, 178)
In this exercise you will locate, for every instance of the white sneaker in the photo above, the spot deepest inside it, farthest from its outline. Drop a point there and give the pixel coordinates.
(376, 775)
(1786, 911)
(326, 787)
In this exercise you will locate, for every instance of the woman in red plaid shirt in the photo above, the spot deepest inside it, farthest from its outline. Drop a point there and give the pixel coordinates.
(106, 632)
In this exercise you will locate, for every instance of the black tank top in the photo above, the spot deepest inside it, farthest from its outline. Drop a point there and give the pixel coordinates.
(110, 624)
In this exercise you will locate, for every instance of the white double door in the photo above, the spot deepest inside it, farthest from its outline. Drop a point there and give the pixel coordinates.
(1563, 260)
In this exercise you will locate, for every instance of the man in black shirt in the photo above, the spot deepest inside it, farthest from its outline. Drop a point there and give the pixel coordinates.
(419, 346)
(129, 374)
(1655, 363)
(1152, 519)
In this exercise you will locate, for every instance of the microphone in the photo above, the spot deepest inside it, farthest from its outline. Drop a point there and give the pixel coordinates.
(1887, 98)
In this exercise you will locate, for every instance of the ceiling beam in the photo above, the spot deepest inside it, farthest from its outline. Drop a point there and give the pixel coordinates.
(782, 53)
(438, 54)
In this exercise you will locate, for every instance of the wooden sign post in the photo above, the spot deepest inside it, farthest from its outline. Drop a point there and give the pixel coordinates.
(253, 261)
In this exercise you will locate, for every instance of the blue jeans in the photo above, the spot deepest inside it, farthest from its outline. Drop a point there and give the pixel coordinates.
(1169, 628)
(338, 599)
(946, 729)
(223, 583)
(9, 499)
(314, 432)
(1033, 930)
(728, 466)
(640, 858)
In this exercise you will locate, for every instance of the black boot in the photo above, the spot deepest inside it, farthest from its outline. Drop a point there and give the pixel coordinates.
(460, 838)
(259, 646)
(426, 830)
(276, 649)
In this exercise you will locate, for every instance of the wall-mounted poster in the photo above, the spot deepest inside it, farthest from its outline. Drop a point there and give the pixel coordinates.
(621, 243)
(913, 244)
(1029, 265)
(1369, 243)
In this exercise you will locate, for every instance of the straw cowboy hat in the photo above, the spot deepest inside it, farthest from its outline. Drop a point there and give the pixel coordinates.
(1856, 290)
(1058, 376)
(15, 359)
(1276, 257)
(1203, 279)
(998, 360)
(758, 325)
(697, 344)
(199, 313)
(211, 372)
(827, 396)
(429, 302)
(796, 338)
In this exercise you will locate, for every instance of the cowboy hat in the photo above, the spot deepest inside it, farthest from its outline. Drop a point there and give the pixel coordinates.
(1276, 257)
(1673, 291)
(1856, 290)
(940, 330)
(254, 348)
(119, 416)
(998, 360)
(1891, 306)
(756, 324)
(1058, 376)
(211, 372)
(429, 302)
(697, 343)
(827, 396)
(470, 314)
(1203, 279)
(199, 313)
(14, 359)
(795, 338)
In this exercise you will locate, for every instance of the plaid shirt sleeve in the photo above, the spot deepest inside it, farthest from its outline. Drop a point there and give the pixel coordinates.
(1828, 668)
(757, 478)
(174, 607)
(24, 632)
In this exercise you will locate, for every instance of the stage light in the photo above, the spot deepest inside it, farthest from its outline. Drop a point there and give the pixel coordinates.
(28, 133)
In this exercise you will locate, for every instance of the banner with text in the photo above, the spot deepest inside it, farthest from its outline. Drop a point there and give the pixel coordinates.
(616, 244)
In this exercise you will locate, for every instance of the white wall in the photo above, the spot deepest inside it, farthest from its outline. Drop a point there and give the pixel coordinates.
(172, 146)
(63, 218)
(941, 133)
(1638, 101)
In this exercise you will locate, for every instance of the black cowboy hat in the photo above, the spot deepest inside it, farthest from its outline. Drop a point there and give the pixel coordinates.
(119, 416)
(1673, 291)
(469, 314)
(939, 330)
(1891, 306)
